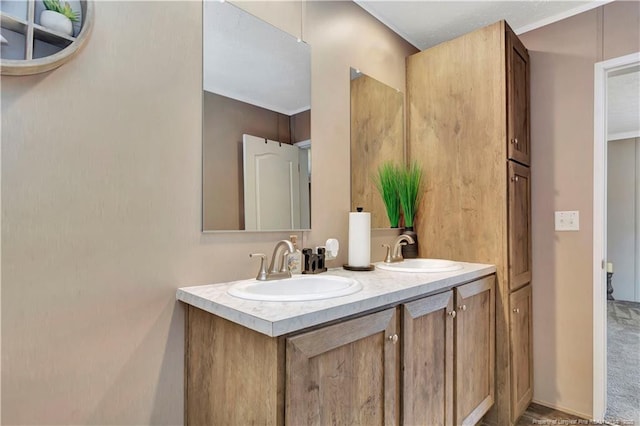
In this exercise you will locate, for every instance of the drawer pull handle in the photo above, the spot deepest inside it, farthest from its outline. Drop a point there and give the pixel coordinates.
(393, 338)
(462, 307)
(516, 310)
(514, 141)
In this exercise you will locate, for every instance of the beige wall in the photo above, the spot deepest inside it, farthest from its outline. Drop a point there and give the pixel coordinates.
(101, 181)
(562, 67)
(622, 230)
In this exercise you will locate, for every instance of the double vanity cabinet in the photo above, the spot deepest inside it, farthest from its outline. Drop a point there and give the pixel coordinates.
(407, 349)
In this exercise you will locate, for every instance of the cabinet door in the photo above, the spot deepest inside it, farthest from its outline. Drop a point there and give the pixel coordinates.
(519, 233)
(232, 374)
(521, 351)
(344, 373)
(475, 346)
(427, 347)
(518, 128)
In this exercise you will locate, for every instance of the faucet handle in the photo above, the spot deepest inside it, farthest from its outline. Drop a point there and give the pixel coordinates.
(387, 258)
(262, 273)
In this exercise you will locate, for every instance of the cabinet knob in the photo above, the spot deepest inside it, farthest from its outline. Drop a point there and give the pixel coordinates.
(452, 314)
(462, 307)
(516, 310)
(514, 179)
(393, 338)
(514, 141)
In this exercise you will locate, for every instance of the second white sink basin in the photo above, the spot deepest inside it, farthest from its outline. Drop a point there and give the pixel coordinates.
(297, 288)
(421, 265)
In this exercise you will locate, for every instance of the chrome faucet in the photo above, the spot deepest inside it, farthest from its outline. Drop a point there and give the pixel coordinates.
(395, 255)
(278, 269)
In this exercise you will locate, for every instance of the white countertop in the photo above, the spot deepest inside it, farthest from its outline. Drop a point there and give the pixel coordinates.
(380, 289)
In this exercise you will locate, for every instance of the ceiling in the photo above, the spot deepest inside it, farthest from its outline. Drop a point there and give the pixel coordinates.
(427, 23)
(623, 105)
(251, 61)
(246, 59)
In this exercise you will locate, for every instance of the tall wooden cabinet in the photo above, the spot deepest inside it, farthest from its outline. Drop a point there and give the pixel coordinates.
(468, 125)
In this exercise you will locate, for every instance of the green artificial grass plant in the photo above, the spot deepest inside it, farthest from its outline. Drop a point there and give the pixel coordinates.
(409, 185)
(387, 183)
(56, 6)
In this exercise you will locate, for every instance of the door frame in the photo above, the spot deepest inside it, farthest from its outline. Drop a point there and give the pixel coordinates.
(602, 71)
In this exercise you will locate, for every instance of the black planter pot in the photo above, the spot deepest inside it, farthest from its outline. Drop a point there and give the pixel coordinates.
(410, 251)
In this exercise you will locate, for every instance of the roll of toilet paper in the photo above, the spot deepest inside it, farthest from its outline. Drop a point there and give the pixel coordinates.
(359, 239)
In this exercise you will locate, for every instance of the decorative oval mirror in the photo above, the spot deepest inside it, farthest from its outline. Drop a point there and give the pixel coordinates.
(38, 36)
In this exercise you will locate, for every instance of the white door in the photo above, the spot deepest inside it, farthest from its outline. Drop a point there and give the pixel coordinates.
(271, 184)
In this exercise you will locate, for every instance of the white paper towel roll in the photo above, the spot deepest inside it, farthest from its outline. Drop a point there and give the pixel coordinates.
(359, 239)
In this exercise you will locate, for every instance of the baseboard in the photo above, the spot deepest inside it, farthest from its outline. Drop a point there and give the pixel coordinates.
(561, 408)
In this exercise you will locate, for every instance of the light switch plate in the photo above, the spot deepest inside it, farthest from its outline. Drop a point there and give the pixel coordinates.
(568, 221)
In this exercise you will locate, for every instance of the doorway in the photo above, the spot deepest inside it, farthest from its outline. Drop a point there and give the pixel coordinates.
(603, 72)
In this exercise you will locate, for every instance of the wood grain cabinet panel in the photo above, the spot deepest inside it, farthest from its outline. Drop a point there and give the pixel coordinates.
(344, 373)
(468, 126)
(518, 127)
(475, 343)
(521, 346)
(234, 375)
(427, 363)
(519, 233)
(448, 356)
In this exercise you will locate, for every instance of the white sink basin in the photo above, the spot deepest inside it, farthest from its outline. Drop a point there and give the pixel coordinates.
(421, 265)
(297, 288)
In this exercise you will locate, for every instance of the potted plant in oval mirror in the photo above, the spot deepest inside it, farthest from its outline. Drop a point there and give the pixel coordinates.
(58, 17)
(387, 183)
(409, 193)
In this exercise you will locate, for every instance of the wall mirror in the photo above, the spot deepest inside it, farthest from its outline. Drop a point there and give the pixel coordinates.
(256, 134)
(377, 135)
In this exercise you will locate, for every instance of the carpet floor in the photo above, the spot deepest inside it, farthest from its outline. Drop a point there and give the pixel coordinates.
(623, 362)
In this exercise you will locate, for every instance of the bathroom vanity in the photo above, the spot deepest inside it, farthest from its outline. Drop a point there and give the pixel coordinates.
(409, 348)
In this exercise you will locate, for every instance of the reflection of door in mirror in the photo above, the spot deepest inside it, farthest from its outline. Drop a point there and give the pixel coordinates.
(377, 136)
(256, 80)
(273, 184)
